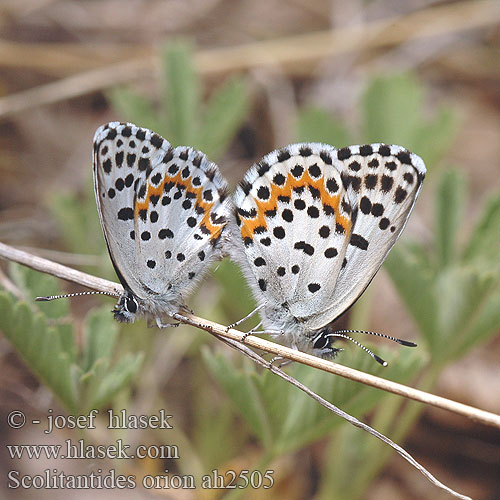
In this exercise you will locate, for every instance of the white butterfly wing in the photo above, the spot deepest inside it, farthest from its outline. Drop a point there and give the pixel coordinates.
(123, 156)
(383, 183)
(157, 221)
(181, 215)
(316, 223)
(293, 217)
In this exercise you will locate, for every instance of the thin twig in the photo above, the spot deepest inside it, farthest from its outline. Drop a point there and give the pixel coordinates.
(292, 52)
(233, 339)
(102, 285)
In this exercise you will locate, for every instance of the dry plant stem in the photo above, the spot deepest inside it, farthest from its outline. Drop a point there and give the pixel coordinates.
(39, 264)
(291, 51)
(233, 340)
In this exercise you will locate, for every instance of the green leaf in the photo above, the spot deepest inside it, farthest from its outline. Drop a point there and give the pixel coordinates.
(182, 94)
(391, 109)
(34, 284)
(242, 390)
(463, 294)
(39, 345)
(213, 421)
(414, 279)
(484, 243)
(316, 125)
(486, 323)
(450, 201)
(114, 380)
(136, 108)
(285, 418)
(102, 332)
(435, 136)
(223, 116)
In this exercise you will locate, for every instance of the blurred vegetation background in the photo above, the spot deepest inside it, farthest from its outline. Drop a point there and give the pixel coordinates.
(236, 80)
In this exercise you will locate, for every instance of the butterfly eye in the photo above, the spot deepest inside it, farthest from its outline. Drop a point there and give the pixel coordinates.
(321, 341)
(131, 305)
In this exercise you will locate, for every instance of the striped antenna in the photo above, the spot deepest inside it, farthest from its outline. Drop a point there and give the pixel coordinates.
(394, 339)
(67, 295)
(371, 353)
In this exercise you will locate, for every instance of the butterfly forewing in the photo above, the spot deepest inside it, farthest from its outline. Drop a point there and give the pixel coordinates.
(383, 183)
(123, 157)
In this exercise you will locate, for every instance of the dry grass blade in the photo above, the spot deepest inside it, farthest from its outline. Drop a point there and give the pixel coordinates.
(291, 51)
(233, 339)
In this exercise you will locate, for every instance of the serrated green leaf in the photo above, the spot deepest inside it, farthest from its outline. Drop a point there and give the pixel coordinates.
(114, 380)
(316, 125)
(101, 335)
(40, 347)
(450, 201)
(224, 113)
(136, 108)
(182, 94)
(484, 243)
(414, 280)
(391, 107)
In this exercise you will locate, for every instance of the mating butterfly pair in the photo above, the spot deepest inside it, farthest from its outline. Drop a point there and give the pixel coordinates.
(310, 225)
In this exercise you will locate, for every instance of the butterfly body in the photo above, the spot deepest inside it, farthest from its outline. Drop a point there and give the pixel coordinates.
(313, 224)
(162, 210)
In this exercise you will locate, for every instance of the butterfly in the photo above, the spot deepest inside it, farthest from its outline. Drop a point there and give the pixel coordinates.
(162, 210)
(312, 225)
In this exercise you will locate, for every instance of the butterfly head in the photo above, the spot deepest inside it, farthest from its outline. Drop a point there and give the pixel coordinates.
(322, 344)
(126, 308)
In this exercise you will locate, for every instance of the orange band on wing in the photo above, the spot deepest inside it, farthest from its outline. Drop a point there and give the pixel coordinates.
(248, 225)
(214, 229)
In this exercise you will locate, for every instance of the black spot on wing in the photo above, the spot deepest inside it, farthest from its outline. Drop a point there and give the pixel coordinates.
(283, 155)
(358, 241)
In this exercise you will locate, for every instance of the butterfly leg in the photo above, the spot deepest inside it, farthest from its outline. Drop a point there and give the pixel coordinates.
(185, 309)
(255, 311)
(254, 331)
(281, 361)
(160, 324)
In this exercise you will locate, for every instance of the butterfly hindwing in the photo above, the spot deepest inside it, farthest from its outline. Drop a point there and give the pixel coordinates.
(295, 223)
(180, 217)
